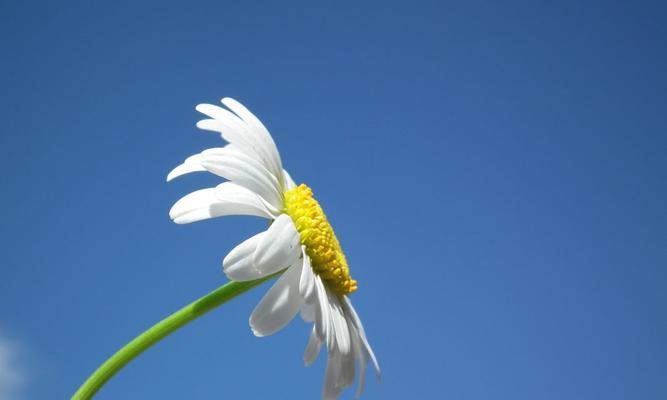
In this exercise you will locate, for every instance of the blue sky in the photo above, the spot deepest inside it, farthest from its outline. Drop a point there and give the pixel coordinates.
(496, 175)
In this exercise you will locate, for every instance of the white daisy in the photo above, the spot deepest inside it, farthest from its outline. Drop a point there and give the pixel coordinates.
(299, 241)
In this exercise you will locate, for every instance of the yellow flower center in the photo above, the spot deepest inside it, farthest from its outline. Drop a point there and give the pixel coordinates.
(326, 256)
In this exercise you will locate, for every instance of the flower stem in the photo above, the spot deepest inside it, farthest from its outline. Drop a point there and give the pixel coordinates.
(160, 330)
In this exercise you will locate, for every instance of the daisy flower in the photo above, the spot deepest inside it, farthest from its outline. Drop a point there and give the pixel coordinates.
(299, 243)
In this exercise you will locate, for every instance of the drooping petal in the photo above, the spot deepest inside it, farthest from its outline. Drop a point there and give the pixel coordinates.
(342, 333)
(359, 354)
(346, 377)
(279, 305)
(280, 246)
(331, 391)
(312, 348)
(322, 319)
(307, 282)
(354, 318)
(308, 312)
(245, 171)
(339, 374)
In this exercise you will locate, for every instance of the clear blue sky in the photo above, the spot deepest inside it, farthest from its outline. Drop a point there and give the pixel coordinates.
(496, 174)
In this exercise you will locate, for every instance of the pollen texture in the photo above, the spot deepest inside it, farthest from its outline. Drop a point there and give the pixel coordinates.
(326, 256)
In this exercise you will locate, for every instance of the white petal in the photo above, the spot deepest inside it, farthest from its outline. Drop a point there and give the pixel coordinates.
(312, 348)
(280, 247)
(322, 313)
(245, 131)
(289, 182)
(362, 377)
(232, 129)
(331, 391)
(218, 113)
(238, 265)
(245, 171)
(308, 311)
(346, 377)
(194, 206)
(225, 199)
(332, 321)
(261, 134)
(231, 193)
(212, 125)
(307, 282)
(339, 374)
(340, 325)
(191, 164)
(350, 311)
(279, 305)
(360, 354)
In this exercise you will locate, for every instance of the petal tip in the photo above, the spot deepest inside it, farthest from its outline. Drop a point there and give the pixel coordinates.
(256, 332)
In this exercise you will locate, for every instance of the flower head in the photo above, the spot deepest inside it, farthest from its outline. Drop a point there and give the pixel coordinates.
(299, 242)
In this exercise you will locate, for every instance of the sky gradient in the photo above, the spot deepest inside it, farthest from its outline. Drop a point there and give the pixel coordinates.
(496, 175)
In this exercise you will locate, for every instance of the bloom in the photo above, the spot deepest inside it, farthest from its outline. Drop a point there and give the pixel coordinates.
(299, 241)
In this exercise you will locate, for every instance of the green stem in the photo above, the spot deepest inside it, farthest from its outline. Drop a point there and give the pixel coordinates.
(160, 330)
